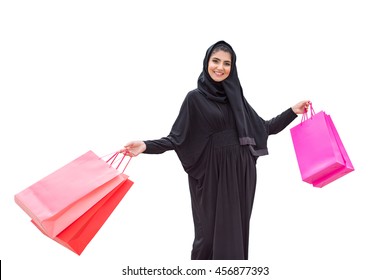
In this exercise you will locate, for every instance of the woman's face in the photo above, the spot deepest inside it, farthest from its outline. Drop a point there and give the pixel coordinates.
(220, 64)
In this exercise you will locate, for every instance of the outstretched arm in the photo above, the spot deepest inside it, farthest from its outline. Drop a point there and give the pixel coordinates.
(280, 122)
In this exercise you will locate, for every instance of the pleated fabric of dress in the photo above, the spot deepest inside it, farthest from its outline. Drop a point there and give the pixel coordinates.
(222, 198)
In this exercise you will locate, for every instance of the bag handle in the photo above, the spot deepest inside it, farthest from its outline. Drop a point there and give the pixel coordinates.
(305, 116)
(114, 157)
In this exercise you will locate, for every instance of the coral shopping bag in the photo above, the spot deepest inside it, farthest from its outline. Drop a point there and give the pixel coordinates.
(73, 201)
(78, 234)
(320, 152)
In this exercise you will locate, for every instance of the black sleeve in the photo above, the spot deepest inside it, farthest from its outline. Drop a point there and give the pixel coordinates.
(158, 146)
(177, 135)
(280, 122)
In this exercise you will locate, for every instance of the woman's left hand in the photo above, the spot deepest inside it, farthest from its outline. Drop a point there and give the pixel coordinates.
(301, 107)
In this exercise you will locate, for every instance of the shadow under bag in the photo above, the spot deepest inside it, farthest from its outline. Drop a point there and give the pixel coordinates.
(320, 152)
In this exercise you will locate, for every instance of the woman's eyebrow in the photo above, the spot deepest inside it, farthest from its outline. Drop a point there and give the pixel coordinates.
(216, 58)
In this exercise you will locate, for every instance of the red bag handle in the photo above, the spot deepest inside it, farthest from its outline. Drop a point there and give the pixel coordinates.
(305, 116)
(113, 158)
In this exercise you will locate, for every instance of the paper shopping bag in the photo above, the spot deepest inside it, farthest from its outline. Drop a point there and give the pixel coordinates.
(60, 198)
(320, 153)
(78, 235)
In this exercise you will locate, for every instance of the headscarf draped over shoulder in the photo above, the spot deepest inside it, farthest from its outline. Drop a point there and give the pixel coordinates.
(252, 130)
(190, 137)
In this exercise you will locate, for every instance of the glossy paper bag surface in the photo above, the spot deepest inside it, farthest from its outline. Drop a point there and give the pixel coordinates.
(79, 234)
(320, 152)
(60, 198)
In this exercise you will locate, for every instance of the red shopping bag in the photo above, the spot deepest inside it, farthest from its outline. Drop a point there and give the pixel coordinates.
(78, 235)
(71, 204)
(320, 153)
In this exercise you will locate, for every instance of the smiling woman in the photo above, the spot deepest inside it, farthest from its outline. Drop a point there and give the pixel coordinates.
(220, 63)
(218, 138)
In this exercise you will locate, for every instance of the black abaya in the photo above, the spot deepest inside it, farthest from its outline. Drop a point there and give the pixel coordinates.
(221, 172)
(218, 138)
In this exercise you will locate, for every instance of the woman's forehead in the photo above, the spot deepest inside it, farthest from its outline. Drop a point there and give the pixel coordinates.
(224, 55)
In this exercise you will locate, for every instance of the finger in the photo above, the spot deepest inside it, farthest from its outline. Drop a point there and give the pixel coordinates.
(127, 153)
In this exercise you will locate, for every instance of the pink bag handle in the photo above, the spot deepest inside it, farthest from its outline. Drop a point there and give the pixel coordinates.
(305, 116)
(114, 156)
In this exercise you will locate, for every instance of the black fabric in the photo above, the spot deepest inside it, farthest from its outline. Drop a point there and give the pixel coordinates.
(197, 122)
(250, 127)
(220, 163)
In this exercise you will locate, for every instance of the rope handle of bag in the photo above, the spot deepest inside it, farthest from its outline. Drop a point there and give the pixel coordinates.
(114, 159)
(305, 115)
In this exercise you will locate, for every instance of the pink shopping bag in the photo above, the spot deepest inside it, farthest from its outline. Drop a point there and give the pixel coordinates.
(320, 153)
(57, 200)
(79, 234)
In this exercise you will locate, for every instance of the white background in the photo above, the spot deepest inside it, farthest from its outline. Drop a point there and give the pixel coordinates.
(92, 75)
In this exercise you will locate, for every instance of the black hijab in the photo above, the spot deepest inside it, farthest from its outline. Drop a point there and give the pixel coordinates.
(250, 127)
(189, 135)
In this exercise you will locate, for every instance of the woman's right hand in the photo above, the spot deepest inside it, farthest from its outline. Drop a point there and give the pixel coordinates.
(134, 148)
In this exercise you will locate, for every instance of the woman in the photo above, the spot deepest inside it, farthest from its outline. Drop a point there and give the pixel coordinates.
(218, 138)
